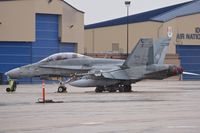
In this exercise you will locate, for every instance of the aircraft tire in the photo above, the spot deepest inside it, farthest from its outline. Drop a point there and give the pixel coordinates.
(127, 88)
(62, 89)
(121, 89)
(99, 89)
(111, 89)
(8, 90)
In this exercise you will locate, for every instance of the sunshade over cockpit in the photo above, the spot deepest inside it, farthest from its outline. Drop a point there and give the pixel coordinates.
(63, 56)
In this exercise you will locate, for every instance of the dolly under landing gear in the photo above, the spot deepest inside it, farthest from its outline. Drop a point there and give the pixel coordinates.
(12, 86)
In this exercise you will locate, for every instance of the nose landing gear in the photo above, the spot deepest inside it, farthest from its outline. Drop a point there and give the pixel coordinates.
(62, 88)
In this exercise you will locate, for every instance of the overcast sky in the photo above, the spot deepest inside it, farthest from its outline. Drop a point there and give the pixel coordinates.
(101, 10)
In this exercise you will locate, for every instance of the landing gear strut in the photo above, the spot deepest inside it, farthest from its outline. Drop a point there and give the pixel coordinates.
(12, 86)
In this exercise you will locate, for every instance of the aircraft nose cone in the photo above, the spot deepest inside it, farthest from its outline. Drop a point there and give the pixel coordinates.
(14, 73)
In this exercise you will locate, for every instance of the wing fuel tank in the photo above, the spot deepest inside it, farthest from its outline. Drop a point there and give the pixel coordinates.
(92, 82)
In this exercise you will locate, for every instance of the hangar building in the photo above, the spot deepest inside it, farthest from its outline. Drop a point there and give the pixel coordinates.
(33, 29)
(182, 19)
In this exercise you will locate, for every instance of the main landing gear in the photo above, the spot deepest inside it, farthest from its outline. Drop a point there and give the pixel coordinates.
(120, 88)
(12, 86)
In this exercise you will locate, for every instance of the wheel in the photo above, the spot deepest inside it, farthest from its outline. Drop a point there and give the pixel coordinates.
(99, 89)
(111, 89)
(8, 89)
(127, 88)
(62, 89)
(121, 89)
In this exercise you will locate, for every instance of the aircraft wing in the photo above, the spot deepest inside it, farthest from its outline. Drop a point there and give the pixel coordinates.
(115, 74)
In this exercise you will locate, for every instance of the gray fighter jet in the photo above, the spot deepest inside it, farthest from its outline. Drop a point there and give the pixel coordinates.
(144, 62)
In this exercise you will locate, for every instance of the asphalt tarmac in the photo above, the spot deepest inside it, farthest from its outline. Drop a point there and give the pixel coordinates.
(153, 107)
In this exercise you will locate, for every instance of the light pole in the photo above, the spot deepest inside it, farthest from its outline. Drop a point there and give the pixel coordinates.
(127, 3)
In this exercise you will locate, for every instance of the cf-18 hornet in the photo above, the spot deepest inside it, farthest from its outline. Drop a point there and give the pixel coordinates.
(144, 62)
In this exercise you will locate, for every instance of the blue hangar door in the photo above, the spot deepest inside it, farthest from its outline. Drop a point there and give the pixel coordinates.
(12, 55)
(16, 54)
(190, 60)
(47, 39)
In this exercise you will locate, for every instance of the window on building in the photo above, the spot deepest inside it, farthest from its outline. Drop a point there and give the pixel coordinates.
(115, 47)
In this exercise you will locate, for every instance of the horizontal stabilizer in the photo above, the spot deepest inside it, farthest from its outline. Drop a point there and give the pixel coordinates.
(118, 75)
(189, 73)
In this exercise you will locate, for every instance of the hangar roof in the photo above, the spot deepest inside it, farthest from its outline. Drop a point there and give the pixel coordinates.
(188, 9)
(50, 1)
(72, 6)
(160, 15)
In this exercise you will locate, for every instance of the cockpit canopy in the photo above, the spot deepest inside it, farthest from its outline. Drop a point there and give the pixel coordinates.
(63, 56)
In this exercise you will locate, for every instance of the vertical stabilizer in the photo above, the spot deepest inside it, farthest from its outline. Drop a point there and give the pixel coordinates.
(160, 50)
(142, 54)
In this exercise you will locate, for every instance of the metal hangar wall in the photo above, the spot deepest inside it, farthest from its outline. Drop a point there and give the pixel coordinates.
(182, 19)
